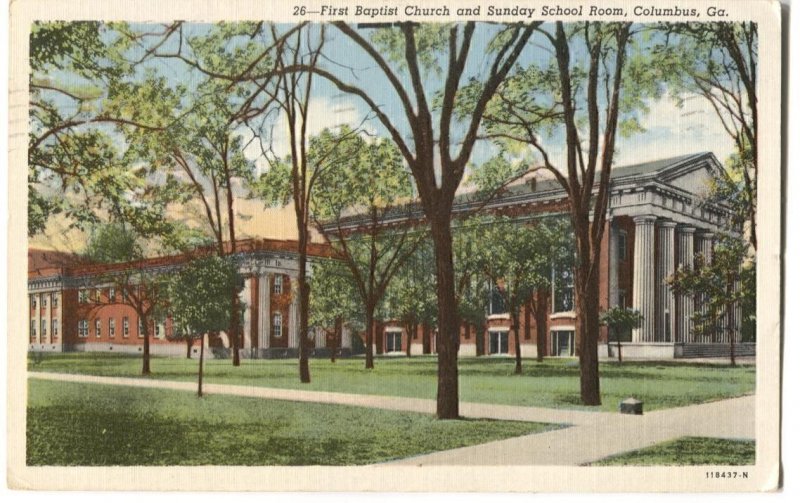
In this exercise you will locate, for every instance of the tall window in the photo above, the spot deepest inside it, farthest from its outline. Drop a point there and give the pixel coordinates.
(112, 294)
(55, 328)
(44, 328)
(33, 328)
(622, 246)
(98, 328)
(497, 304)
(277, 286)
(126, 327)
(33, 301)
(97, 295)
(55, 300)
(44, 300)
(83, 328)
(140, 330)
(112, 327)
(563, 290)
(498, 342)
(394, 341)
(277, 325)
(83, 296)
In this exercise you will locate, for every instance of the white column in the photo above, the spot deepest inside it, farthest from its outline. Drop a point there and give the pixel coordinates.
(666, 267)
(244, 299)
(685, 302)
(294, 313)
(613, 265)
(705, 243)
(643, 277)
(264, 310)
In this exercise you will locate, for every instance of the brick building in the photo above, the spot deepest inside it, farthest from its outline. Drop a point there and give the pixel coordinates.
(658, 219)
(74, 306)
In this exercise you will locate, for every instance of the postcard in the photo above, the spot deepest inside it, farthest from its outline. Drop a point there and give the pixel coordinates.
(399, 246)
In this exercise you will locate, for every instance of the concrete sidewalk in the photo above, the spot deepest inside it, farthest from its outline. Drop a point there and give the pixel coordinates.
(586, 443)
(592, 436)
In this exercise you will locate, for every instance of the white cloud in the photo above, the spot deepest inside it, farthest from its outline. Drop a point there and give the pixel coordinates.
(673, 131)
(323, 113)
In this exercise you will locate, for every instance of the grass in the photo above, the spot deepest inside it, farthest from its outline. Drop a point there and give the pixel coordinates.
(100, 425)
(552, 383)
(689, 451)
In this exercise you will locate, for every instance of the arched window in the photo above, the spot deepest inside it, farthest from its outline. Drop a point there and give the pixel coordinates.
(277, 325)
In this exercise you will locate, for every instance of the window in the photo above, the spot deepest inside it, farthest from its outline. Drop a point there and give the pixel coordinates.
(112, 294)
(55, 328)
(498, 342)
(497, 304)
(394, 341)
(277, 325)
(98, 328)
(159, 329)
(140, 330)
(112, 327)
(33, 302)
(563, 290)
(55, 300)
(622, 246)
(83, 328)
(44, 328)
(44, 300)
(277, 286)
(563, 343)
(83, 296)
(33, 328)
(97, 295)
(125, 327)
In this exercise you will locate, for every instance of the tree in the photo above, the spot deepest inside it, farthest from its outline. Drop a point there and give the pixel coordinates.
(348, 180)
(724, 284)
(140, 287)
(563, 98)
(77, 165)
(409, 297)
(200, 300)
(719, 62)
(620, 320)
(333, 299)
(516, 259)
(437, 170)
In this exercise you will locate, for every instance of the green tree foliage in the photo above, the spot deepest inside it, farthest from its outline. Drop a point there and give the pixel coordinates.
(200, 300)
(723, 284)
(411, 298)
(619, 321)
(77, 160)
(595, 87)
(719, 63)
(358, 176)
(137, 284)
(333, 304)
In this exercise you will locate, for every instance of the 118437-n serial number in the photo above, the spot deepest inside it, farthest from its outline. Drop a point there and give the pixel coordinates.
(727, 475)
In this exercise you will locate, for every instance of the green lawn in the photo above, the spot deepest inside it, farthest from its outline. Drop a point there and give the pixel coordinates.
(689, 451)
(552, 383)
(102, 425)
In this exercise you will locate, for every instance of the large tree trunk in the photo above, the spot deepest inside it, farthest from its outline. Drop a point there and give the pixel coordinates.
(426, 339)
(731, 320)
(411, 329)
(189, 344)
(539, 305)
(587, 311)
(200, 369)
(448, 340)
(145, 345)
(517, 345)
(369, 335)
(303, 290)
